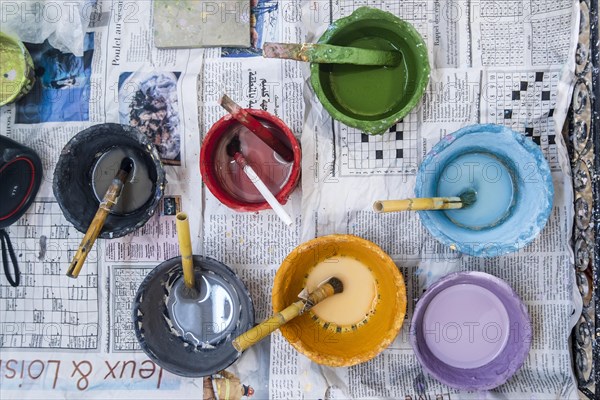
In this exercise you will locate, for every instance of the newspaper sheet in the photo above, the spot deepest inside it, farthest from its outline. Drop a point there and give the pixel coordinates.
(506, 62)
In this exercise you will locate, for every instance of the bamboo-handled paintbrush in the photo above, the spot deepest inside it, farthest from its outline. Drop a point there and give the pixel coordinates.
(108, 201)
(185, 248)
(427, 203)
(265, 328)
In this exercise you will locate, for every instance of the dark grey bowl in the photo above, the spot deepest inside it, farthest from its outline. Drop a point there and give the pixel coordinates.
(72, 183)
(154, 327)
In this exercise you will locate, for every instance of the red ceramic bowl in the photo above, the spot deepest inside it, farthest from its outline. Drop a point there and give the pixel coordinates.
(228, 183)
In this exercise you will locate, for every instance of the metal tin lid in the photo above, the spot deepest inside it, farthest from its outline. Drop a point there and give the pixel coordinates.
(191, 335)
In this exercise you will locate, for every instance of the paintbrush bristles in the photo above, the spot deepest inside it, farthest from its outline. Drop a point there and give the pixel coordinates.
(234, 146)
(468, 198)
(336, 284)
(185, 248)
(126, 165)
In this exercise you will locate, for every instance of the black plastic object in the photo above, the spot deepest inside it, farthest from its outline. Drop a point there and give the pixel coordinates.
(72, 183)
(157, 334)
(14, 277)
(20, 179)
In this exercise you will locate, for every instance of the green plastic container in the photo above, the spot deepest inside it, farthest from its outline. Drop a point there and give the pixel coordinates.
(372, 98)
(17, 74)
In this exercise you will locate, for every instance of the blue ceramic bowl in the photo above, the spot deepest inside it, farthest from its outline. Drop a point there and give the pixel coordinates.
(513, 184)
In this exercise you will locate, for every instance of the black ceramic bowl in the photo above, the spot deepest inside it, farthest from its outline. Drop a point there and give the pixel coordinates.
(73, 177)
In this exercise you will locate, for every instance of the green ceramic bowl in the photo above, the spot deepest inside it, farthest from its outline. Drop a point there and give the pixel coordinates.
(16, 71)
(372, 98)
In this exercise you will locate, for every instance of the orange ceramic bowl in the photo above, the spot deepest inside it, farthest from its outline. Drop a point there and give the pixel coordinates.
(330, 344)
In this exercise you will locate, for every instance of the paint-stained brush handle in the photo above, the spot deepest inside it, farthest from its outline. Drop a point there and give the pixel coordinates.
(418, 204)
(265, 328)
(182, 225)
(257, 128)
(331, 54)
(110, 199)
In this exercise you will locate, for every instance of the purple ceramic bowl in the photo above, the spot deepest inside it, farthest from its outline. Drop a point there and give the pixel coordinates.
(471, 331)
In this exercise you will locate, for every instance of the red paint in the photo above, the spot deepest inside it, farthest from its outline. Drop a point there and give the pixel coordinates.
(259, 129)
(239, 158)
(264, 134)
(208, 166)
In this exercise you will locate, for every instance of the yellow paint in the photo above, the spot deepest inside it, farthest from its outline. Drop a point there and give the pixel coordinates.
(331, 344)
(358, 298)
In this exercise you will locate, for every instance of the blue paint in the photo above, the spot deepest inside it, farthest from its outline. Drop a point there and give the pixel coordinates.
(490, 178)
(533, 191)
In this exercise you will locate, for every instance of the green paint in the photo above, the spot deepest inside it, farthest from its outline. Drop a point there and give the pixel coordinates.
(364, 55)
(12, 69)
(372, 98)
(369, 90)
(16, 70)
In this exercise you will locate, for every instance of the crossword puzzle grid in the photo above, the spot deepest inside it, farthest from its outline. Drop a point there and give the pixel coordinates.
(544, 6)
(525, 102)
(413, 11)
(48, 309)
(504, 8)
(556, 50)
(500, 44)
(125, 282)
(394, 152)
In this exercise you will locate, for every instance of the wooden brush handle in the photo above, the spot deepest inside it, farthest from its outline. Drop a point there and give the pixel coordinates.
(418, 204)
(182, 225)
(257, 128)
(109, 200)
(265, 328)
(331, 54)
